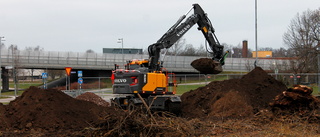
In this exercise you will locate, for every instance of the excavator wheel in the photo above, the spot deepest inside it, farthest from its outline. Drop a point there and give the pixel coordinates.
(207, 66)
(134, 107)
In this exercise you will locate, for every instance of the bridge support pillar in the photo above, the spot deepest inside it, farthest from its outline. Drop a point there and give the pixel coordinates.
(5, 79)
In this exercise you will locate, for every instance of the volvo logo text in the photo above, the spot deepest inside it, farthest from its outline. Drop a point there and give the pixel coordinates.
(120, 80)
(183, 30)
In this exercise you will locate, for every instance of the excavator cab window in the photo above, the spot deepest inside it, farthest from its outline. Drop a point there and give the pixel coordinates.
(145, 65)
(134, 66)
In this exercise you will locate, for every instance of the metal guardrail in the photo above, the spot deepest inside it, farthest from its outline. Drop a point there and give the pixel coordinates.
(73, 93)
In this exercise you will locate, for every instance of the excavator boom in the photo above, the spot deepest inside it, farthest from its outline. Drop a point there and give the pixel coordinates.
(178, 30)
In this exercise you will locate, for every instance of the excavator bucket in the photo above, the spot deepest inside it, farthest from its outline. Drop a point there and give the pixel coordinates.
(207, 66)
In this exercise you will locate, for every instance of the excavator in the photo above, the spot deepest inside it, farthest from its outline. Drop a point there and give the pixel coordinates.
(145, 82)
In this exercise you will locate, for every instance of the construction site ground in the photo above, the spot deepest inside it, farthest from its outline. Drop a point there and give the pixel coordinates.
(254, 105)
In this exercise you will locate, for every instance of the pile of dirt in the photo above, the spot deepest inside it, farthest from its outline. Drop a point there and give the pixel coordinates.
(91, 97)
(233, 98)
(51, 110)
(296, 100)
(39, 112)
(207, 66)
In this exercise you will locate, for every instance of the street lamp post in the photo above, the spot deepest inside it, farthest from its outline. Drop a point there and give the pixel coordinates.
(0, 66)
(256, 33)
(318, 50)
(120, 40)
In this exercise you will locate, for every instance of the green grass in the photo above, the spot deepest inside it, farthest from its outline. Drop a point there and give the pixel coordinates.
(20, 86)
(24, 85)
(202, 79)
(5, 103)
(3, 97)
(11, 93)
(185, 88)
(315, 90)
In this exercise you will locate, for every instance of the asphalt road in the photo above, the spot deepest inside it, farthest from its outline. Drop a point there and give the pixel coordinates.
(7, 99)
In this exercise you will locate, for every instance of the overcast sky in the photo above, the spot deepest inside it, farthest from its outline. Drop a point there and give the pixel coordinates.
(79, 25)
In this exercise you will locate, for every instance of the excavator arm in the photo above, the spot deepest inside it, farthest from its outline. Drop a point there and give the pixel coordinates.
(179, 29)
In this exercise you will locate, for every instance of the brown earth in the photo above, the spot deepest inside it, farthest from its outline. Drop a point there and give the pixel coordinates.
(297, 100)
(254, 105)
(233, 98)
(206, 66)
(91, 97)
(51, 111)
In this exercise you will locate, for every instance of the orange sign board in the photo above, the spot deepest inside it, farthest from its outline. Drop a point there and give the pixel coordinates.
(68, 70)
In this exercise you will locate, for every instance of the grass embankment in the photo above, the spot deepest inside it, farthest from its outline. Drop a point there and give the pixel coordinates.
(185, 88)
(20, 87)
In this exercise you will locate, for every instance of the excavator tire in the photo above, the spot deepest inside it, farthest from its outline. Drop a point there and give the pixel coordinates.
(207, 66)
(135, 107)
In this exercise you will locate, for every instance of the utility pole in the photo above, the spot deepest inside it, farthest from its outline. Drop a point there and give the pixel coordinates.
(256, 35)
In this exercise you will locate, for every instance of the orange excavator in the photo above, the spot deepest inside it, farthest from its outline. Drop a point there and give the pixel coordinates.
(145, 80)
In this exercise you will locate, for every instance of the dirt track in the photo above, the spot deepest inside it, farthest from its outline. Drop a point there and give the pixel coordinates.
(241, 107)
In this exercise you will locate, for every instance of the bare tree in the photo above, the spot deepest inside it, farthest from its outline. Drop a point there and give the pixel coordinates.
(177, 48)
(89, 51)
(30, 49)
(15, 63)
(266, 49)
(201, 51)
(302, 37)
(37, 48)
(2, 46)
(235, 51)
(189, 50)
(55, 73)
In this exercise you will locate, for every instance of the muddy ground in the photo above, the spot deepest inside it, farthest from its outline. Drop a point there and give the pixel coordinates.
(254, 105)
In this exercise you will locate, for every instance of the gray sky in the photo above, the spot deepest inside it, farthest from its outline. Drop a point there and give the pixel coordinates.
(79, 25)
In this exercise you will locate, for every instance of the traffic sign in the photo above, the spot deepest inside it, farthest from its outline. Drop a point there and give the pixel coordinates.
(80, 80)
(44, 75)
(79, 73)
(68, 70)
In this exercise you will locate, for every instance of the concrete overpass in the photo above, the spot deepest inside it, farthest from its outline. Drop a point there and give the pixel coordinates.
(99, 61)
(102, 63)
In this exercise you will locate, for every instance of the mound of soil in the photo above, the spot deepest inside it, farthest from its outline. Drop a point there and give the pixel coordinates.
(233, 98)
(296, 100)
(39, 112)
(51, 110)
(91, 97)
